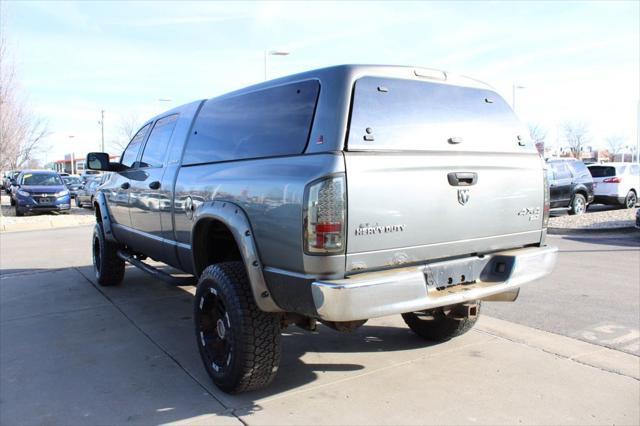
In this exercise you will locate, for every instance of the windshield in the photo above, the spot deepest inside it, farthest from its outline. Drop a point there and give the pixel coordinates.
(41, 179)
(72, 180)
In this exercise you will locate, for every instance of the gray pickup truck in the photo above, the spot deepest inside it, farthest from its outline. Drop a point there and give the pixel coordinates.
(336, 195)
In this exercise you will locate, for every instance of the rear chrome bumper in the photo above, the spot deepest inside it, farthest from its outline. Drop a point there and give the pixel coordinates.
(416, 288)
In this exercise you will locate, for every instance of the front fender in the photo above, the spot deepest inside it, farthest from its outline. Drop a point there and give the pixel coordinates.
(235, 219)
(101, 201)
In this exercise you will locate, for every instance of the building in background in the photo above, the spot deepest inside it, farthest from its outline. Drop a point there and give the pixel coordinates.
(73, 163)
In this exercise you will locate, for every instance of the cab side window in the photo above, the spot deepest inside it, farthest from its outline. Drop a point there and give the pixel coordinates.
(155, 149)
(561, 171)
(579, 169)
(130, 154)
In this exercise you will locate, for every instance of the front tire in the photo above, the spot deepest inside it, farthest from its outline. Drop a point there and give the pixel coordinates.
(578, 205)
(630, 200)
(108, 267)
(239, 344)
(441, 324)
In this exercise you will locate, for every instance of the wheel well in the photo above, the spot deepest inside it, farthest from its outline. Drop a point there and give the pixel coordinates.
(214, 243)
(581, 192)
(97, 212)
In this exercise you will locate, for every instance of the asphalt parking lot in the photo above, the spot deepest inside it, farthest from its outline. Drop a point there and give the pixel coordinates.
(71, 353)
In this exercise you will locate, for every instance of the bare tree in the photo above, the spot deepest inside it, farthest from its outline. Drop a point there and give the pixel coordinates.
(21, 132)
(128, 125)
(576, 135)
(615, 144)
(538, 135)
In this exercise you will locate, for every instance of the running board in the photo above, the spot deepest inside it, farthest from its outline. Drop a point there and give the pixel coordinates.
(170, 279)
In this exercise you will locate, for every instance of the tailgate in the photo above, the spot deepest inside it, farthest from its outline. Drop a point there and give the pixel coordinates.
(413, 195)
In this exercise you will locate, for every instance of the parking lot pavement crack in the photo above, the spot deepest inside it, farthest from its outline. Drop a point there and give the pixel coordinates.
(156, 344)
(44, 314)
(237, 416)
(29, 272)
(574, 358)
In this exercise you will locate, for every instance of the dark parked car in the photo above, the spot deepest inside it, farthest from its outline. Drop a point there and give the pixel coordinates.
(73, 184)
(39, 191)
(570, 185)
(87, 191)
(9, 177)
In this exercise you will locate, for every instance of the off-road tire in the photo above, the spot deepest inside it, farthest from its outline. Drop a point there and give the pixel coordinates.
(249, 345)
(108, 267)
(434, 325)
(578, 205)
(19, 211)
(630, 200)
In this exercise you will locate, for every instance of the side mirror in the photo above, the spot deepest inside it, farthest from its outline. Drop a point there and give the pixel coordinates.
(97, 161)
(100, 161)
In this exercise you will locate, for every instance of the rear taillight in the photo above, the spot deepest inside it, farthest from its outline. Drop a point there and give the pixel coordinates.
(547, 201)
(612, 180)
(324, 216)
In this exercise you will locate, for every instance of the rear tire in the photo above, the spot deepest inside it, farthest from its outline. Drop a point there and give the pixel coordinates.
(78, 203)
(12, 201)
(239, 344)
(630, 200)
(578, 205)
(435, 325)
(108, 267)
(19, 211)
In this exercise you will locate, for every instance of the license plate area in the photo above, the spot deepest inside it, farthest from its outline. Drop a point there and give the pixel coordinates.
(45, 201)
(466, 273)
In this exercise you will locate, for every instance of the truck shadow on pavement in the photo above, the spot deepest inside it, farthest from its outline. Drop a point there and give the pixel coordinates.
(149, 311)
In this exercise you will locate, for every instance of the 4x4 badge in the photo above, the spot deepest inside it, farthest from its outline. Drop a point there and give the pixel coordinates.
(463, 196)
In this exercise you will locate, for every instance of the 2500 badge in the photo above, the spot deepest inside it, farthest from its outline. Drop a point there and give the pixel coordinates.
(532, 212)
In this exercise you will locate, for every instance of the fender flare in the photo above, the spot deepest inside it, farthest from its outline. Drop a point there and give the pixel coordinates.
(236, 220)
(101, 201)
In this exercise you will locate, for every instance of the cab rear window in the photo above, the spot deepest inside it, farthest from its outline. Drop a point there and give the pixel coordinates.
(397, 114)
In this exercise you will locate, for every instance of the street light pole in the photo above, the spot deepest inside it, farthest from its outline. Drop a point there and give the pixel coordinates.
(513, 95)
(102, 128)
(271, 53)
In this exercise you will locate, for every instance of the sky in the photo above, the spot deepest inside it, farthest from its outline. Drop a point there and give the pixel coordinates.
(577, 61)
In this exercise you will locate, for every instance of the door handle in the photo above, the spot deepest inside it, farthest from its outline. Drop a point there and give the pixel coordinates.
(125, 185)
(154, 185)
(462, 178)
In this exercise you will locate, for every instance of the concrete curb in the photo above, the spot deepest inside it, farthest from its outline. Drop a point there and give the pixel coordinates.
(572, 231)
(50, 224)
(566, 347)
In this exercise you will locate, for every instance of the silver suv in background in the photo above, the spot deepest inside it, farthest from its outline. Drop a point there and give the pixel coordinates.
(616, 183)
(335, 195)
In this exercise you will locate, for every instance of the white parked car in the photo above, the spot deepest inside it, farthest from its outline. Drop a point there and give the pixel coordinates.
(616, 183)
